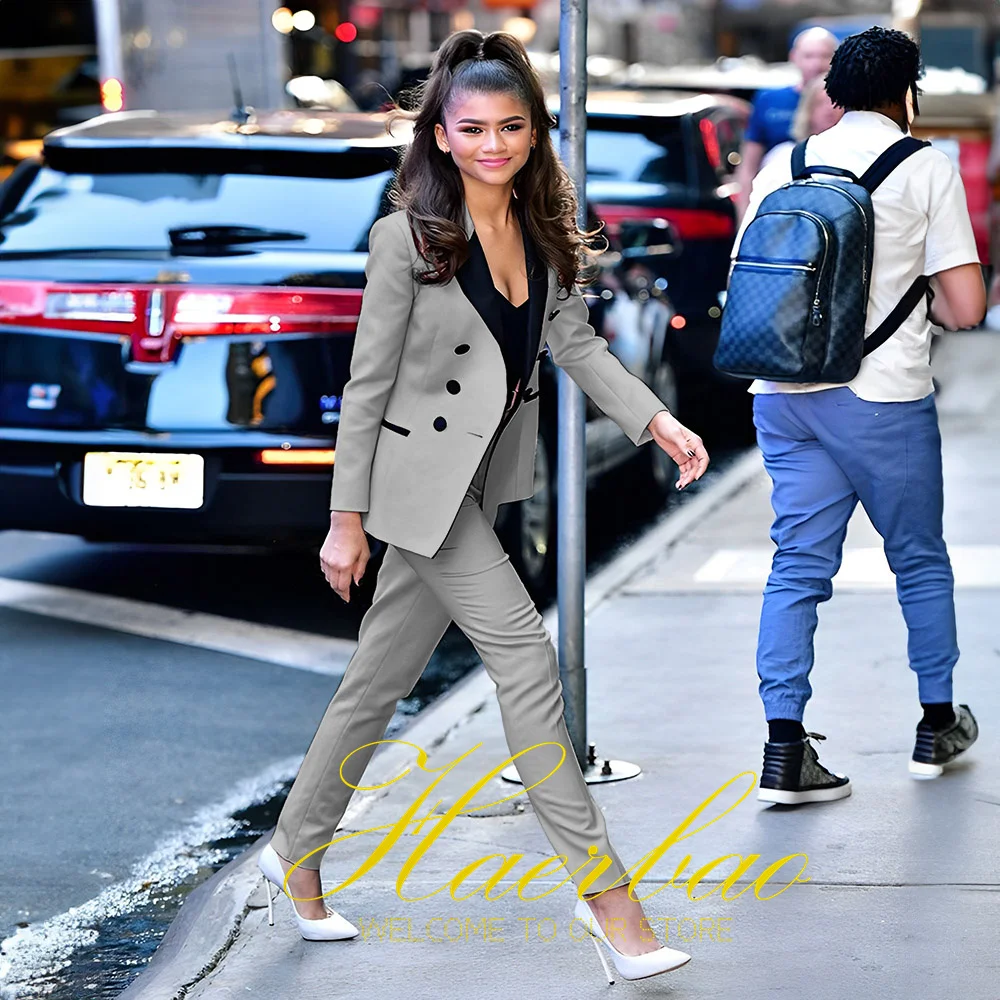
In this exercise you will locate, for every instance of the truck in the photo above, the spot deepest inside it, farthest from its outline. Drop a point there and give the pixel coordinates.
(64, 61)
(188, 55)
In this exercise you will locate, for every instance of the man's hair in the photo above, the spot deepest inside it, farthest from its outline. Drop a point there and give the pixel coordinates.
(874, 68)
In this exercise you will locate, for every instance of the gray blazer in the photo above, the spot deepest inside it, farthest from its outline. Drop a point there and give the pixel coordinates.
(427, 390)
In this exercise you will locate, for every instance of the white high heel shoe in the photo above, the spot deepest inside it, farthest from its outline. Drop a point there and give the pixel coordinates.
(333, 927)
(629, 966)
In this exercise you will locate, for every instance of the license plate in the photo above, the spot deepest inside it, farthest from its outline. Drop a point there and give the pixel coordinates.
(143, 479)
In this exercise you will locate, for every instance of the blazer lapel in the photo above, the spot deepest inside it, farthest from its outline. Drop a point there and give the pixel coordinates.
(476, 282)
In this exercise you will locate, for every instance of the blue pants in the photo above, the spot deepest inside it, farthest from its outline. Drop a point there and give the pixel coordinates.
(825, 451)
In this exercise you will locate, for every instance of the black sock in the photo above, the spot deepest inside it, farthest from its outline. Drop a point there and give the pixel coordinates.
(784, 730)
(938, 714)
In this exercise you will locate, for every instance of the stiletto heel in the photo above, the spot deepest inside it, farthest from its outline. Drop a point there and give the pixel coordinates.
(604, 961)
(629, 966)
(332, 927)
(270, 899)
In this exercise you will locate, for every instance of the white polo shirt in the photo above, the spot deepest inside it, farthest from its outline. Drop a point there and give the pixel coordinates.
(922, 226)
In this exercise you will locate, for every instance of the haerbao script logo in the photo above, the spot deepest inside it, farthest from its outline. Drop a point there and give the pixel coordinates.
(411, 823)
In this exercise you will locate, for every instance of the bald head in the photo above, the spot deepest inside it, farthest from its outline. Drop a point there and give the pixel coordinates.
(812, 51)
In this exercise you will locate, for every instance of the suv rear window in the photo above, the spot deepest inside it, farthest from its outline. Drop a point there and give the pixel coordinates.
(132, 211)
(638, 150)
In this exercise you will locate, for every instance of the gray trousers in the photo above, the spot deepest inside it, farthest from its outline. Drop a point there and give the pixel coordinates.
(471, 581)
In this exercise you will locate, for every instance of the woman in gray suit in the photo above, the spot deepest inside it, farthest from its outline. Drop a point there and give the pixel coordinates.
(466, 282)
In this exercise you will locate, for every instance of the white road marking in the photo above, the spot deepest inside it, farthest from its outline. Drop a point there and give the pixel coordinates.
(270, 643)
(973, 566)
(720, 566)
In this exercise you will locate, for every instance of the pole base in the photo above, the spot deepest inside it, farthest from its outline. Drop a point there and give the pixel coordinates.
(596, 773)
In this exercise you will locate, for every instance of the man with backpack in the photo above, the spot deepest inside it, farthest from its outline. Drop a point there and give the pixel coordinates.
(837, 277)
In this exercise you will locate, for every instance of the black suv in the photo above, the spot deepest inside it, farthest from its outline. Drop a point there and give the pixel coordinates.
(669, 157)
(178, 300)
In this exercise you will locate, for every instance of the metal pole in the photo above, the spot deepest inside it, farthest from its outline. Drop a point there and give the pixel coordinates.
(109, 42)
(572, 453)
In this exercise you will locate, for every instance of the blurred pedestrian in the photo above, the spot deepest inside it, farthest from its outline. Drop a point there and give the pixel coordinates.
(993, 176)
(815, 113)
(774, 109)
(874, 439)
(466, 282)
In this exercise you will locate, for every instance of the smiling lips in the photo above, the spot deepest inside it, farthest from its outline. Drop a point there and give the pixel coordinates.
(501, 162)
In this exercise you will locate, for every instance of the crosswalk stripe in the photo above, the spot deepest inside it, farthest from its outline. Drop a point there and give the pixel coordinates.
(973, 566)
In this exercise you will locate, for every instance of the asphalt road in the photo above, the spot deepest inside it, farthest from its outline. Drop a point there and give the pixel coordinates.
(134, 766)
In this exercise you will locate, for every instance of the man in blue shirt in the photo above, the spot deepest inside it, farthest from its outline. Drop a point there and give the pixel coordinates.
(773, 110)
(771, 120)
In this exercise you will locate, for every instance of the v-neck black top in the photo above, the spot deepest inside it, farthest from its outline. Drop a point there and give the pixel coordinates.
(514, 323)
(508, 323)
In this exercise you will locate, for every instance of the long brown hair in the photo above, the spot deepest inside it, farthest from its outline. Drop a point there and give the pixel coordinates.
(429, 185)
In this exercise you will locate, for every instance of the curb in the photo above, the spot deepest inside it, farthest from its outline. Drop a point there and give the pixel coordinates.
(204, 929)
(209, 921)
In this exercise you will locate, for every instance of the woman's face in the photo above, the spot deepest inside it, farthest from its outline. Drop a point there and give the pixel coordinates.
(489, 136)
(824, 114)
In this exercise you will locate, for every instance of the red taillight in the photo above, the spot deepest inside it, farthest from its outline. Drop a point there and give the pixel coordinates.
(212, 311)
(690, 223)
(711, 140)
(158, 317)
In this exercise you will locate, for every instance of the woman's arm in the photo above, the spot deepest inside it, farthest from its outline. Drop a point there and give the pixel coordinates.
(751, 157)
(378, 344)
(576, 347)
(626, 399)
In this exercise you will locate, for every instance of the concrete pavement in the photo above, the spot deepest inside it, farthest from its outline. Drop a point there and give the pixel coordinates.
(902, 898)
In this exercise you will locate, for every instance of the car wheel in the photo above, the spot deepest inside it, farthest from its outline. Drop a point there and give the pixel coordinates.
(661, 469)
(530, 531)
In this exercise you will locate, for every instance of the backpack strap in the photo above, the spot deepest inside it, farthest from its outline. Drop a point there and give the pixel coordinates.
(799, 159)
(895, 319)
(891, 159)
(870, 179)
(801, 171)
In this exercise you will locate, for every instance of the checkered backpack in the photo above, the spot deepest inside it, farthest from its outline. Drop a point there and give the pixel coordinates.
(798, 291)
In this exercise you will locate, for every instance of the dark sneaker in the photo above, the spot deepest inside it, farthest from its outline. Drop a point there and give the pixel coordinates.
(792, 774)
(936, 747)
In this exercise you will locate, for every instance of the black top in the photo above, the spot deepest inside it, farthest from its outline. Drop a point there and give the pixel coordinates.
(514, 323)
(512, 326)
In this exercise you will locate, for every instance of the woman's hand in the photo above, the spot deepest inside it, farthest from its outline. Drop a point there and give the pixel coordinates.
(345, 552)
(682, 445)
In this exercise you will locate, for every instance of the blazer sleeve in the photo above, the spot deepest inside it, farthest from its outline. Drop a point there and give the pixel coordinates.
(378, 344)
(576, 347)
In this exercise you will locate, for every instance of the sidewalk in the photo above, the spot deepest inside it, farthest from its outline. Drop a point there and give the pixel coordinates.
(903, 899)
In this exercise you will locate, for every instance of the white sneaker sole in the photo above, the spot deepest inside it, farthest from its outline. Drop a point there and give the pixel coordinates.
(925, 771)
(811, 795)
